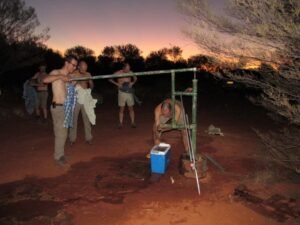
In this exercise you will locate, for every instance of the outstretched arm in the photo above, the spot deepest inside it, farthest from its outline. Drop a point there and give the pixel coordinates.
(54, 76)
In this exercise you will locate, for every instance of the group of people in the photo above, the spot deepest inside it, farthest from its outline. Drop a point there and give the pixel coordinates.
(75, 72)
(58, 78)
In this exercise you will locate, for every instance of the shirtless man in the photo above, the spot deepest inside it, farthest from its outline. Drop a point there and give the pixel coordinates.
(59, 78)
(85, 84)
(42, 91)
(125, 94)
(163, 115)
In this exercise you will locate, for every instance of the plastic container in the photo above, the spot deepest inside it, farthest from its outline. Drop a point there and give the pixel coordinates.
(160, 158)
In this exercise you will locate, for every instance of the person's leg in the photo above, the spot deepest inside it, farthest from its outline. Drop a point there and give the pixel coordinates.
(130, 103)
(37, 106)
(131, 114)
(156, 135)
(45, 112)
(37, 112)
(121, 103)
(60, 132)
(121, 115)
(87, 125)
(73, 130)
(44, 104)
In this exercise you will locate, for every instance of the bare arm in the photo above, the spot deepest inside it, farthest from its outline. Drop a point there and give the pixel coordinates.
(54, 76)
(114, 82)
(178, 112)
(35, 76)
(156, 133)
(91, 83)
(34, 80)
(134, 80)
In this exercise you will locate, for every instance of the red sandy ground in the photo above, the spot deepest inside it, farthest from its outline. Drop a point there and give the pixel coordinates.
(27, 149)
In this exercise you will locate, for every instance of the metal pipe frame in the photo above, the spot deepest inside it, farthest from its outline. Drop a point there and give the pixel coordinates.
(193, 94)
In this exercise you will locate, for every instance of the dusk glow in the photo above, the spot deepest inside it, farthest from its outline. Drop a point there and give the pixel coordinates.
(150, 25)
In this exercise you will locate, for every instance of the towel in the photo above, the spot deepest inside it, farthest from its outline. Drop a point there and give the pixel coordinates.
(69, 105)
(85, 98)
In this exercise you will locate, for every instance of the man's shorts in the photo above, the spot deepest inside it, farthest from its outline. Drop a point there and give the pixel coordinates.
(42, 97)
(125, 98)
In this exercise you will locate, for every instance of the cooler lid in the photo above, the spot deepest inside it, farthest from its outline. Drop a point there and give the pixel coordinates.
(160, 149)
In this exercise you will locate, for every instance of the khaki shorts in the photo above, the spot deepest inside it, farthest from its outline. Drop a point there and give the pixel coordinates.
(125, 98)
(42, 97)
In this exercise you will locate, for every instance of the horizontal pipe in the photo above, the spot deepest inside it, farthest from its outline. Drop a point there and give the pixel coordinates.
(157, 72)
(184, 93)
(177, 126)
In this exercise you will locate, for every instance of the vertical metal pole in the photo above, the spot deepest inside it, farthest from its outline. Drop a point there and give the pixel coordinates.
(194, 116)
(194, 128)
(173, 98)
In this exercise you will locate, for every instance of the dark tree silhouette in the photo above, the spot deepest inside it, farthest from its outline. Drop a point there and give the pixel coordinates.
(80, 52)
(131, 54)
(199, 60)
(112, 56)
(157, 60)
(107, 60)
(128, 52)
(109, 51)
(20, 45)
(53, 59)
(18, 22)
(86, 54)
(175, 53)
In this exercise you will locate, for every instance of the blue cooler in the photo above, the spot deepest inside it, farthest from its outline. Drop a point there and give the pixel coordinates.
(160, 158)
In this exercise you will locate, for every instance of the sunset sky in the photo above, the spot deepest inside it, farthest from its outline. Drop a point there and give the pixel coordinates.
(150, 25)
